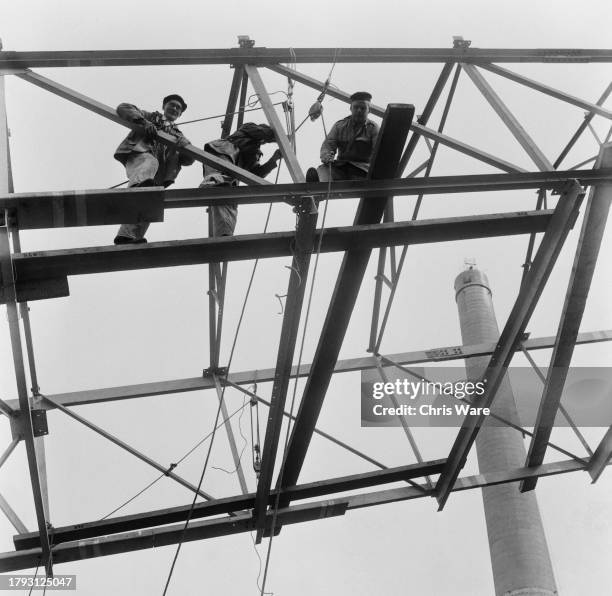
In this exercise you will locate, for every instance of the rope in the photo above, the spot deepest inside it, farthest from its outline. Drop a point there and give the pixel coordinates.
(182, 538)
(243, 446)
(251, 109)
(295, 383)
(35, 575)
(231, 356)
(184, 457)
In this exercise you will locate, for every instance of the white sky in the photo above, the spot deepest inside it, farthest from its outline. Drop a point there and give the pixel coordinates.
(140, 326)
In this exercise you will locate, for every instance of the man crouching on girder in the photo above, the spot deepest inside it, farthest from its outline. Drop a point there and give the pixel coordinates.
(242, 148)
(354, 138)
(147, 161)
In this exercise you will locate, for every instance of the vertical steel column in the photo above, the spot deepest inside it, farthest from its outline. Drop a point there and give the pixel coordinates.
(8, 282)
(6, 273)
(517, 543)
(39, 442)
(304, 245)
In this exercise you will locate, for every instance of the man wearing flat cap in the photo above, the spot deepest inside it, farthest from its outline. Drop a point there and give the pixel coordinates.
(353, 138)
(242, 148)
(147, 161)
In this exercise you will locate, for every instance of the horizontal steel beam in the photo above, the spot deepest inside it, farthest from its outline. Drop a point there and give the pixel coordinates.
(394, 495)
(32, 269)
(39, 209)
(440, 354)
(256, 55)
(31, 211)
(142, 539)
(235, 504)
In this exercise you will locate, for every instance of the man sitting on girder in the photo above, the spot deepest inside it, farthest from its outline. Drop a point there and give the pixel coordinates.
(242, 148)
(353, 138)
(147, 161)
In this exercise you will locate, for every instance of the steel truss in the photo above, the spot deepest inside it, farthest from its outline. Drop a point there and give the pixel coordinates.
(41, 275)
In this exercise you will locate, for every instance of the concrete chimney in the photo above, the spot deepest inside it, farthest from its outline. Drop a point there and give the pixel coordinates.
(519, 553)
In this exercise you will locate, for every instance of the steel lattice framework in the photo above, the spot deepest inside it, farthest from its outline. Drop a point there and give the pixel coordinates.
(44, 275)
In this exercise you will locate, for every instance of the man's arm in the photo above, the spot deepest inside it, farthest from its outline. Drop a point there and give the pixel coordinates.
(133, 114)
(330, 145)
(262, 170)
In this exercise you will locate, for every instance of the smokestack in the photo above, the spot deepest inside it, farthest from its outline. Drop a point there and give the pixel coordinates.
(517, 544)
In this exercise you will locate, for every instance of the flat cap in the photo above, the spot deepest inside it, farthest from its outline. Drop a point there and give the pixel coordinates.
(361, 96)
(177, 97)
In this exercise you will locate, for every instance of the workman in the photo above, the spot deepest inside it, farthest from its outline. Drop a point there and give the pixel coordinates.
(353, 138)
(243, 149)
(147, 161)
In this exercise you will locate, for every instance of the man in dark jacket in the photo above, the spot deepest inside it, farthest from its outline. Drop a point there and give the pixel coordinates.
(242, 148)
(147, 161)
(354, 138)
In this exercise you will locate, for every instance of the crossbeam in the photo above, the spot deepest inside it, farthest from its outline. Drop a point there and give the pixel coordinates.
(440, 354)
(142, 539)
(38, 209)
(235, 504)
(32, 269)
(256, 55)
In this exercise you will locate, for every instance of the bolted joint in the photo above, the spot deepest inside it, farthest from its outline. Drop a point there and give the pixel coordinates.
(220, 371)
(305, 206)
(460, 43)
(244, 41)
(39, 424)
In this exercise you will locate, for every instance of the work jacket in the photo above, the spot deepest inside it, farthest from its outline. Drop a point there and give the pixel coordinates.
(242, 148)
(353, 143)
(170, 160)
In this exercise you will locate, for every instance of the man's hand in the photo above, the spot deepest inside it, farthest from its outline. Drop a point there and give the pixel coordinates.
(182, 142)
(149, 130)
(328, 158)
(276, 155)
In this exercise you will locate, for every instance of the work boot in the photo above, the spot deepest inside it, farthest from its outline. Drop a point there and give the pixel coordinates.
(128, 240)
(312, 175)
(145, 183)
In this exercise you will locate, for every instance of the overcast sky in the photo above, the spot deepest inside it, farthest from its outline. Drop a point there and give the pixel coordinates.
(133, 327)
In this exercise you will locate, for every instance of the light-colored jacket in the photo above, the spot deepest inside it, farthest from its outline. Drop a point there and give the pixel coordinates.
(354, 144)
